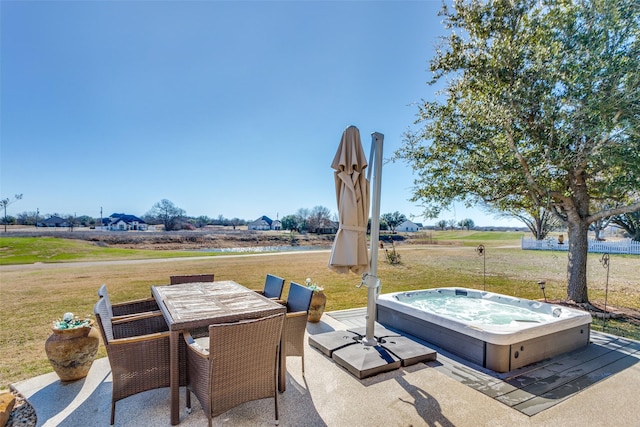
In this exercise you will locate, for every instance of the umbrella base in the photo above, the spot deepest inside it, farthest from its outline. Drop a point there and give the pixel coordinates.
(379, 331)
(362, 361)
(365, 361)
(408, 351)
(329, 342)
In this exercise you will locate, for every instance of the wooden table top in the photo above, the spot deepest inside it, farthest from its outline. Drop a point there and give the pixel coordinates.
(194, 305)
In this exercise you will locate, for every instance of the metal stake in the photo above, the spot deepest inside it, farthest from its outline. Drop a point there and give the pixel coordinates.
(605, 263)
(541, 283)
(480, 250)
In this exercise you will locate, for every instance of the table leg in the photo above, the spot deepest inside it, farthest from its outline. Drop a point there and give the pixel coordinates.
(282, 367)
(174, 376)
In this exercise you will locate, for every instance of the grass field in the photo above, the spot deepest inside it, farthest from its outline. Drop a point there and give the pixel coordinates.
(29, 250)
(33, 296)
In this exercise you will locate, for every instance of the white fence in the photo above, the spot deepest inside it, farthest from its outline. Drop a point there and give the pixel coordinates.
(626, 246)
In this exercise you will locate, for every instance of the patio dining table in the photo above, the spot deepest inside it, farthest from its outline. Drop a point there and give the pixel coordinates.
(193, 306)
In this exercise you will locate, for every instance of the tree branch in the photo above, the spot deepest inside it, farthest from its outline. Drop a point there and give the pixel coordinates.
(614, 211)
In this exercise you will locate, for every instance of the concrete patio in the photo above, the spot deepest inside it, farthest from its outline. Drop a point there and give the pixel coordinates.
(445, 392)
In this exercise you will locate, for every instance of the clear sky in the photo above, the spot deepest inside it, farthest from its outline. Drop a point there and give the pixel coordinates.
(230, 108)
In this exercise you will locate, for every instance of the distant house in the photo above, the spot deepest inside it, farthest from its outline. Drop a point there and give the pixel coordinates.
(325, 227)
(408, 227)
(262, 223)
(265, 223)
(124, 222)
(53, 221)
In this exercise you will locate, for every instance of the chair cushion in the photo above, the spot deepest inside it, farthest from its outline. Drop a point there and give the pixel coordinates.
(273, 286)
(202, 343)
(299, 298)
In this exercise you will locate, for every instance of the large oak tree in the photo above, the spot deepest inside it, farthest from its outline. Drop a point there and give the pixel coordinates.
(541, 105)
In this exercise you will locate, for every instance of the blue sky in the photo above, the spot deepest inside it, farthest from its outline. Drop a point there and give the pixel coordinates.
(224, 108)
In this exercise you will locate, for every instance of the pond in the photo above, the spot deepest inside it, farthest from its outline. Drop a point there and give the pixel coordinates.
(266, 249)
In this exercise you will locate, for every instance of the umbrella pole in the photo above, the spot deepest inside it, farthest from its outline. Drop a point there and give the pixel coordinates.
(350, 349)
(370, 279)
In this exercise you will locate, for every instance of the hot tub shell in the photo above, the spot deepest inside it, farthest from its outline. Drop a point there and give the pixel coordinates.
(500, 348)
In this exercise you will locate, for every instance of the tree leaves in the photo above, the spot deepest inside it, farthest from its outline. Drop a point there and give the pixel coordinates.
(541, 110)
(539, 98)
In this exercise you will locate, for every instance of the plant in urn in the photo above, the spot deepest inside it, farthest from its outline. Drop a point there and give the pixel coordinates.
(72, 347)
(318, 301)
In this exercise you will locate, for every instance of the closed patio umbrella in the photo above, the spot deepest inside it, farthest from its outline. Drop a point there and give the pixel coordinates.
(363, 356)
(349, 251)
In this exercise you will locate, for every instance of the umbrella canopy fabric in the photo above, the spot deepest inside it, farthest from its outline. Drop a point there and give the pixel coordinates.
(349, 252)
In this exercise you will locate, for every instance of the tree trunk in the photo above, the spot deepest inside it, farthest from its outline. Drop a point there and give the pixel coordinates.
(577, 266)
(596, 232)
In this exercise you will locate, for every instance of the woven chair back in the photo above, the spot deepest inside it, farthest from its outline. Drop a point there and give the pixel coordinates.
(243, 361)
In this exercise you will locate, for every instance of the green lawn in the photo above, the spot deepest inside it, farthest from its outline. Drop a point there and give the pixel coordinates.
(29, 250)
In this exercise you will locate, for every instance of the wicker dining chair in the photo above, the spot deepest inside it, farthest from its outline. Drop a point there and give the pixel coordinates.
(128, 308)
(240, 364)
(273, 286)
(193, 278)
(295, 325)
(138, 353)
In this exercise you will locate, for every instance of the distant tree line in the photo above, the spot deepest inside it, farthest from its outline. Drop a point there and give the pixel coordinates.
(539, 221)
(452, 224)
(171, 217)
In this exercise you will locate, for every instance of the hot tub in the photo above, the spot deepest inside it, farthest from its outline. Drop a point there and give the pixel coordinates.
(496, 331)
